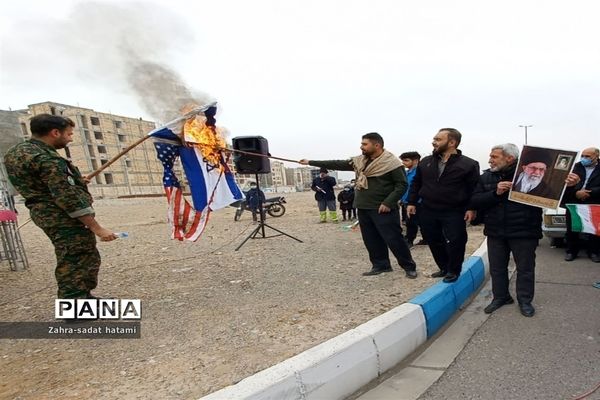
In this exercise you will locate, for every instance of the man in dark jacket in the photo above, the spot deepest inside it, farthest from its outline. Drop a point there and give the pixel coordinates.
(510, 227)
(325, 195)
(380, 182)
(445, 182)
(587, 191)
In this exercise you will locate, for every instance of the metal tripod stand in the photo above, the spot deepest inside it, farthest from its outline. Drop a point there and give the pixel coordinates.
(260, 228)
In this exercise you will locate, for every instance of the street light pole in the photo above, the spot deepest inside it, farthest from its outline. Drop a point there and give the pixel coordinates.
(525, 126)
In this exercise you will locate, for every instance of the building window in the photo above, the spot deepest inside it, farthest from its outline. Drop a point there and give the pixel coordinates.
(83, 120)
(122, 138)
(98, 135)
(24, 129)
(103, 162)
(95, 121)
(91, 150)
(52, 110)
(118, 124)
(102, 149)
(108, 178)
(128, 163)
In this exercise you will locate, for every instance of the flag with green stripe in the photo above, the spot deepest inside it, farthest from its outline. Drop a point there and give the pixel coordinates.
(585, 218)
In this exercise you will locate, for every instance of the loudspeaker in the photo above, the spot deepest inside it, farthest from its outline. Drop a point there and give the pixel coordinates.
(247, 164)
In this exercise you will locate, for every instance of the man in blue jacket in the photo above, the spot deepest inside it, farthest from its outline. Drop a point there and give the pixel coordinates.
(410, 159)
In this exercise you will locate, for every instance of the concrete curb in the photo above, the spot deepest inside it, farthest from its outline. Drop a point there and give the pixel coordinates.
(342, 365)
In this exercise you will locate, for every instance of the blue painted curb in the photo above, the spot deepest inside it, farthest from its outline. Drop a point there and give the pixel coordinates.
(442, 300)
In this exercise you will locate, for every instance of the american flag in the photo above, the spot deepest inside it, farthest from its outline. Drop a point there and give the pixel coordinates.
(212, 187)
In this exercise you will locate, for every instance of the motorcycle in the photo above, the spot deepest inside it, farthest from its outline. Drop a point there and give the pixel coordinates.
(273, 206)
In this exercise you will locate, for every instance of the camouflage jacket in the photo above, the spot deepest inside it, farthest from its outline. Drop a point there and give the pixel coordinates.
(52, 186)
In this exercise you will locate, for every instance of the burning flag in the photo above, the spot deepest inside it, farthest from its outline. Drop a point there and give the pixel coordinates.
(196, 140)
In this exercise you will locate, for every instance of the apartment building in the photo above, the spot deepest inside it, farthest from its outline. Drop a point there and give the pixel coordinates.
(97, 138)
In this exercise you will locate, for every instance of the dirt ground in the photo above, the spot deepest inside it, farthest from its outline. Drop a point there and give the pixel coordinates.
(211, 315)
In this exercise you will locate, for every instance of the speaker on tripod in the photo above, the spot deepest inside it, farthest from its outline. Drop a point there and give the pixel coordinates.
(250, 164)
(247, 164)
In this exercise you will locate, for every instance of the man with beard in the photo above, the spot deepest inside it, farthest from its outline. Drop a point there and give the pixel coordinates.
(59, 203)
(510, 227)
(444, 183)
(531, 180)
(380, 182)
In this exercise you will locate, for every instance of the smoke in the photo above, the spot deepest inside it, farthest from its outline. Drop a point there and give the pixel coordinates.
(161, 91)
(122, 46)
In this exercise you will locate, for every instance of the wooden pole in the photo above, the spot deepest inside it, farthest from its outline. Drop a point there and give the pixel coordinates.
(256, 154)
(139, 141)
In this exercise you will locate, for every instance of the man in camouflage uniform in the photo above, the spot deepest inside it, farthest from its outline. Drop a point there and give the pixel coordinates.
(59, 203)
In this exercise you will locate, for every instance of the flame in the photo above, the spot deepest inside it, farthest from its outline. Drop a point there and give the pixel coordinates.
(208, 139)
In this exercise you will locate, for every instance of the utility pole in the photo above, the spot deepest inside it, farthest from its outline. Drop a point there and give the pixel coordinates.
(525, 126)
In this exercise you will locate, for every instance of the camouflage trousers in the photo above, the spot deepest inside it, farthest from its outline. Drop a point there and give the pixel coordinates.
(77, 261)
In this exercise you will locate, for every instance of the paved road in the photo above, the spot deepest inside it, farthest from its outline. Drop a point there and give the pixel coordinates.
(554, 355)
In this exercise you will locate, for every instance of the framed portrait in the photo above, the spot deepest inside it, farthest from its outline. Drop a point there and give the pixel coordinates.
(539, 180)
(563, 162)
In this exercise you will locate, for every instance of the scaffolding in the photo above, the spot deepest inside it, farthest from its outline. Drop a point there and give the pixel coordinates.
(12, 250)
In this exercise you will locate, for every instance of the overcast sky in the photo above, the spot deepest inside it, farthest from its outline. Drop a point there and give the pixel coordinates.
(313, 76)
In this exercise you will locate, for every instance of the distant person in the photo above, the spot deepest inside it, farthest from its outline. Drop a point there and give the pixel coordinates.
(510, 227)
(443, 186)
(324, 185)
(59, 203)
(410, 160)
(380, 182)
(255, 199)
(531, 179)
(587, 191)
(353, 187)
(346, 199)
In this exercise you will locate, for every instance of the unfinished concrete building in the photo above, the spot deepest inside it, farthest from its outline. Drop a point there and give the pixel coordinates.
(97, 138)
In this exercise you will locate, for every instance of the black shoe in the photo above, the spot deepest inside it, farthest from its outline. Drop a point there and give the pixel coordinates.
(527, 309)
(421, 243)
(497, 303)
(570, 256)
(450, 277)
(411, 274)
(439, 274)
(595, 257)
(377, 271)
